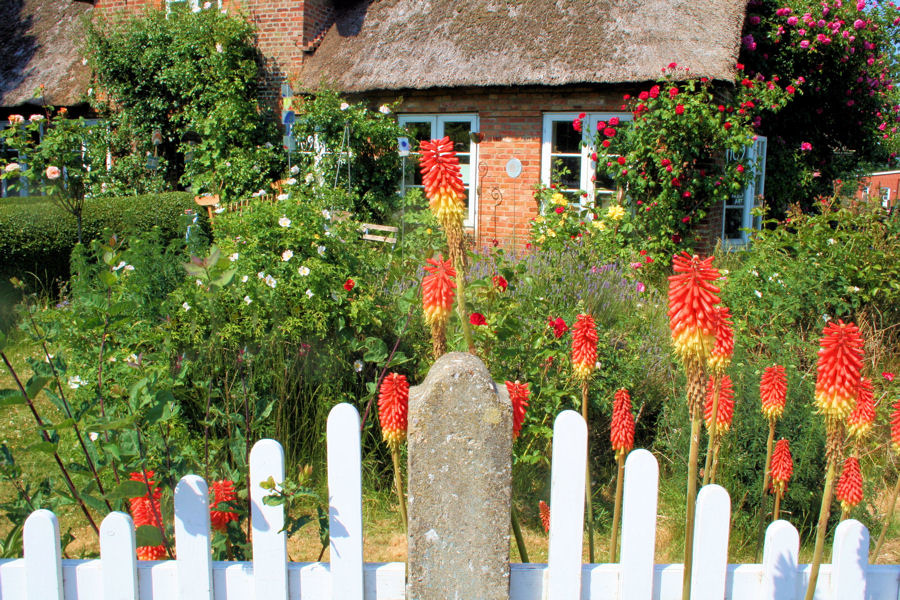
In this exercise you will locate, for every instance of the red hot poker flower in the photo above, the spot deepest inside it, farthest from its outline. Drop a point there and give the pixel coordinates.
(773, 391)
(895, 426)
(145, 511)
(518, 395)
(584, 346)
(725, 409)
(849, 488)
(441, 178)
(437, 289)
(782, 465)
(838, 369)
(692, 297)
(223, 491)
(860, 421)
(544, 509)
(720, 357)
(393, 406)
(621, 432)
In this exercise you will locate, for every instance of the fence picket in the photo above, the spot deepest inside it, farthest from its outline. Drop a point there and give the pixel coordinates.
(780, 554)
(849, 561)
(117, 554)
(566, 506)
(43, 556)
(712, 522)
(270, 580)
(345, 503)
(192, 546)
(638, 525)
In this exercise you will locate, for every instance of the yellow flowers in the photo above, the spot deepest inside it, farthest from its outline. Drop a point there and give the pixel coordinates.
(615, 212)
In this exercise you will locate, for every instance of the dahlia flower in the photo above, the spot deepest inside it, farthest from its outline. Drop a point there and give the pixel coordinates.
(621, 432)
(782, 466)
(849, 487)
(441, 178)
(860, 421)
(725, 408)
(692, 298)
(518, 395)
(722, 351)
(838, 370)
(584, 346)
(437, 289)
(773, 391)
(223, 491)
(393, 404)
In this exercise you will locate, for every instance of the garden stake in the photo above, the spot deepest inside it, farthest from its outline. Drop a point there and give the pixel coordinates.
(46, 438)
(517, 532)
(621, 436)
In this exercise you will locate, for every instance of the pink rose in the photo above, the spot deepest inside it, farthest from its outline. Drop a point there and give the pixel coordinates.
(52, 172)
(16, 119)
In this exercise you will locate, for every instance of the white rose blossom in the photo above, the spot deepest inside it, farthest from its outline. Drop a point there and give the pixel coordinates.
(247, 299)
(303, 270)
(383, 109)
(270, 281)
(284, 221)
(287, 255)
(185, 306)
(309, 293)
(283, 196)
(233, 257)
(344, 106)
(321, 250)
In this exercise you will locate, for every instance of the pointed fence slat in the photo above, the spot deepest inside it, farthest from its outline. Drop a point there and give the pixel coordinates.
(269, 541)
(567, 506)
(638, 525)
(345, 503)
(849, 561)
(117, 553)
(192, 545)
(780, 554)
(711, 524)
(43, 557)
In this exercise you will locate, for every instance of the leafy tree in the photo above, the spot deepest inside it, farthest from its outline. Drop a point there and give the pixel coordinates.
(192, 76)
(845, 121)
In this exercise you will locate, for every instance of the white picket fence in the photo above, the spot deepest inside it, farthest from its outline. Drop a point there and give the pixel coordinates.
(117, 575)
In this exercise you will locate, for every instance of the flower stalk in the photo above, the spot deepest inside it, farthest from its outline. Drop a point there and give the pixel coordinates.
(393, 407)
(584, 360)
(621, 436)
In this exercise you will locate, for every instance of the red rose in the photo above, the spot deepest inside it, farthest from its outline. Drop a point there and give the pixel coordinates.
(349, 284)
(727, 125)
(477, 319)
(614, 121)
(606, 143)
(609, 132)
(559, 210)
(500, 282)
(673, 92)
(576, 125)
(648, 259)
(621, 160)
(679, 110)
(654, 91)
(559, 326)
(643, 96)
(601, 125)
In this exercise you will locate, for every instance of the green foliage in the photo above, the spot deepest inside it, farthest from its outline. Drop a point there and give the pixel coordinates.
(37, 236)
(351, 147)
(844, 56)
(192, 76)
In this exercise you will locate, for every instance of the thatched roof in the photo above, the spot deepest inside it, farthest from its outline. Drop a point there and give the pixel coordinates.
(38, 46)
(419, 44)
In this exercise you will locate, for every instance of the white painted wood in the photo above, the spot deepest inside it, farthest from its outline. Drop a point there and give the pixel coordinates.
(119, 558)
(43, 566)
(269, 541)
(779, 563)
(192, 546)
(345, 503)
(639, 499)
(567, 506)
(849, 561)
(711, 524)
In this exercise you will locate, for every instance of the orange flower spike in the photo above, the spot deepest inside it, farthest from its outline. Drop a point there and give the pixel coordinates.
(725, 410)
(621, 432)
(584, 346)
(437, 289)
(860, 421)
(518, 395)
(692, 297)
(849, 487)
(223, 491)
(721, 354)
(145, 511)
(544, 509)
(773, 391)
(393, 406)
(782, 465)
(441, 178)
(895, 427)
(838, 370)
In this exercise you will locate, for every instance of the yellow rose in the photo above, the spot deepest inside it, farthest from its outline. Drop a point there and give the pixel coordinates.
(559, 199)
(539, 219)
(615, 212)
(551, 233)
(599, 225)
(541, 239)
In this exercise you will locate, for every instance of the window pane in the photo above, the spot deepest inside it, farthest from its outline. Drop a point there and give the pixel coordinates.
(458, 132)
(733, 223)
(419, 132)
(411, 174)
(465, 168)
(565, 171)
(565, 138)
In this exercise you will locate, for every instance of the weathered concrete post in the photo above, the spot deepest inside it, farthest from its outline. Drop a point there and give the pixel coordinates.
(460, 479)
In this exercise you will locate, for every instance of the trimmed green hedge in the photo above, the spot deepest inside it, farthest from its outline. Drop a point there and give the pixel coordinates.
(37, 237)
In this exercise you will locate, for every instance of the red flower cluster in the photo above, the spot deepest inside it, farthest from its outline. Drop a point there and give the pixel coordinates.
(725, 409)
(349, 284)
(145, 511)
(223, 491)
(441, 178)
(860, 421)
(499, 282)
(621, 432)
(838, 369)
(559, 326)
(544, 509)
(849, 488)
(437, 289)
(692, 297)
(782, 465)
(477, 319)
(720, 357)
(773, 391)
(895, 427)
(518, 395)
(393, 406)
(584, 346)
